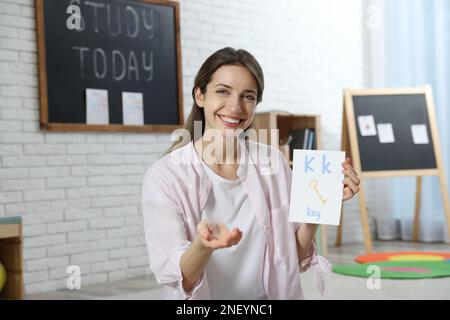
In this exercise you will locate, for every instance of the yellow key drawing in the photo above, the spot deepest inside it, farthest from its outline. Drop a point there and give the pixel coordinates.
(313, 184)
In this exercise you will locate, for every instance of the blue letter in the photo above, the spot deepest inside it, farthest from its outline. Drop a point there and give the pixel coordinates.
(325, 167)
(307, 163)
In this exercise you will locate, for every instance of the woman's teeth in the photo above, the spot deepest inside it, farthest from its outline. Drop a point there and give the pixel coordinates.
(230, 120)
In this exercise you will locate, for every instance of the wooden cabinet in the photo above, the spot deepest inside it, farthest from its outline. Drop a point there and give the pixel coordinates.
(11, 257)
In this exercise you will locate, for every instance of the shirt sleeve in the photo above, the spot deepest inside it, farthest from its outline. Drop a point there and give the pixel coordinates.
(165, 234)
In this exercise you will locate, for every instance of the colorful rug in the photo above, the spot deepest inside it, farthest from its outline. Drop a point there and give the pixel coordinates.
(404, 256)
(399, 265)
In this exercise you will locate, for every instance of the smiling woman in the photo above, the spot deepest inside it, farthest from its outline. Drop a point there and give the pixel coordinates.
(221, 248)
(220, 230)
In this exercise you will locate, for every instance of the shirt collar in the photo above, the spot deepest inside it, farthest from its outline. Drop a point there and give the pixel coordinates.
(243, 159)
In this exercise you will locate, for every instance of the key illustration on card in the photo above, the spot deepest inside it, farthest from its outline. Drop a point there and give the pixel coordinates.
(313, 184)
(317, 188)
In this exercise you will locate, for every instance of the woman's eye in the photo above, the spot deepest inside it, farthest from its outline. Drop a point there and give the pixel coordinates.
(251, 98)
(221, 91)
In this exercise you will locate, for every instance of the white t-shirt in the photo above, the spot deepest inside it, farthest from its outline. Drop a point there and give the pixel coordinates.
(235, 272)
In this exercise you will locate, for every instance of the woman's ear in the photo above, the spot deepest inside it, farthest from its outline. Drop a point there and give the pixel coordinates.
(199, 97)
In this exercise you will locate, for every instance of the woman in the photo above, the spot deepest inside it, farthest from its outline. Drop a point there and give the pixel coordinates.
(219, 229)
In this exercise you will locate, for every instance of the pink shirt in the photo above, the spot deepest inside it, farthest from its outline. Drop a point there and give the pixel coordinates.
(175, 190)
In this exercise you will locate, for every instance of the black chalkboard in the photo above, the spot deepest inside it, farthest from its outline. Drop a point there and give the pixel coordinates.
(120, 46)
(402, 111)
(412, 149)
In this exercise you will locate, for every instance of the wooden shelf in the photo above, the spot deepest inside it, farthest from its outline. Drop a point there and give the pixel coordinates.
(284, 121)
(9, 231)
(11, 257)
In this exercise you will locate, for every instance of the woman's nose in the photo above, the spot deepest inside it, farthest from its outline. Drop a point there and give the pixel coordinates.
(236, 106)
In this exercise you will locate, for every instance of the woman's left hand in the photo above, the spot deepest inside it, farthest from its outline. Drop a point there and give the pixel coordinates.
(351, 180)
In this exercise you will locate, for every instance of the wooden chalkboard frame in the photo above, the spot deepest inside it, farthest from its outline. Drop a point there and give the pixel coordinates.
(350, 145)
(43, 89)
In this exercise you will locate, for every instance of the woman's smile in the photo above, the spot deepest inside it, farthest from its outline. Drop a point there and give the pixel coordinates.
(230, 122)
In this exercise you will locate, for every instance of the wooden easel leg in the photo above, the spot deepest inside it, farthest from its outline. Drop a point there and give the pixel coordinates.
(364, 220)
(323, 239)
(445, 200)
(345, 146)
(415, 235)
(339, 231)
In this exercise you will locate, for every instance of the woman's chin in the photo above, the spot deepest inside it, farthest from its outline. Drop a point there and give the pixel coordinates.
(232, 132)
(224, 131)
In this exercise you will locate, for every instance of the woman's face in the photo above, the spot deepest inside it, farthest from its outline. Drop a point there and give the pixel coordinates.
(230, 99)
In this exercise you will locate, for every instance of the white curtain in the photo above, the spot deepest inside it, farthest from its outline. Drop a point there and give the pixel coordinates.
(411, 47)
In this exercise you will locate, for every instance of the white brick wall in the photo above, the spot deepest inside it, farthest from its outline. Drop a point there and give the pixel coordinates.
(79, 193)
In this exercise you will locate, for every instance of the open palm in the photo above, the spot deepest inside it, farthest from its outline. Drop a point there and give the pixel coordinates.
(217, 235)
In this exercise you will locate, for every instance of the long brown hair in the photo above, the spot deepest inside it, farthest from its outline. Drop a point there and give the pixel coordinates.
(225, 56)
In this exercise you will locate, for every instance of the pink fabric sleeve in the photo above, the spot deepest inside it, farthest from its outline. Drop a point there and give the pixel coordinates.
(165, 234)
(319, 265)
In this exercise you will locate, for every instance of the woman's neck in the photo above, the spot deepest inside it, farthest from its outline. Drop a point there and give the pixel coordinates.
(223, 160)
(218, 150)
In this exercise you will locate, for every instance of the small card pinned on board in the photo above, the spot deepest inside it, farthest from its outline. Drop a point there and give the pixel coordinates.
(133, 108)
(385, 133)
(420, 134)
(317, 188)
(97, 109)
(367, 125)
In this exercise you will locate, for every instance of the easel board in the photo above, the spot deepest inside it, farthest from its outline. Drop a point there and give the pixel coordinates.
(402, 111)
(403, 153)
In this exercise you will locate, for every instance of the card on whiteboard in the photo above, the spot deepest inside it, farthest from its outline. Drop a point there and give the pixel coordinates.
(317, 188)
(97, 110)
(133, 108)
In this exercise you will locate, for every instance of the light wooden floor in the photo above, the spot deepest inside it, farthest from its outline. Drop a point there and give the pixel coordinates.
(337, 286)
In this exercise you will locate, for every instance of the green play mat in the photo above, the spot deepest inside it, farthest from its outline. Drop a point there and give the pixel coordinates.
(397, 269)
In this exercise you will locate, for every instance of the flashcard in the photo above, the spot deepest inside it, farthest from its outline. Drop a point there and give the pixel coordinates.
(317, 188)
(385, 133)
(419, 134)
(367, 125)
(133, 108)
(97, 110)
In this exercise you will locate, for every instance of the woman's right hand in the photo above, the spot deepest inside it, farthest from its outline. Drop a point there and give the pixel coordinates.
(217, 235)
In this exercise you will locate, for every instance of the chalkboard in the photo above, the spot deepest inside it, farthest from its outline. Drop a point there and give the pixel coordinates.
(393, 133)
(402, 111)
(114, 45)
